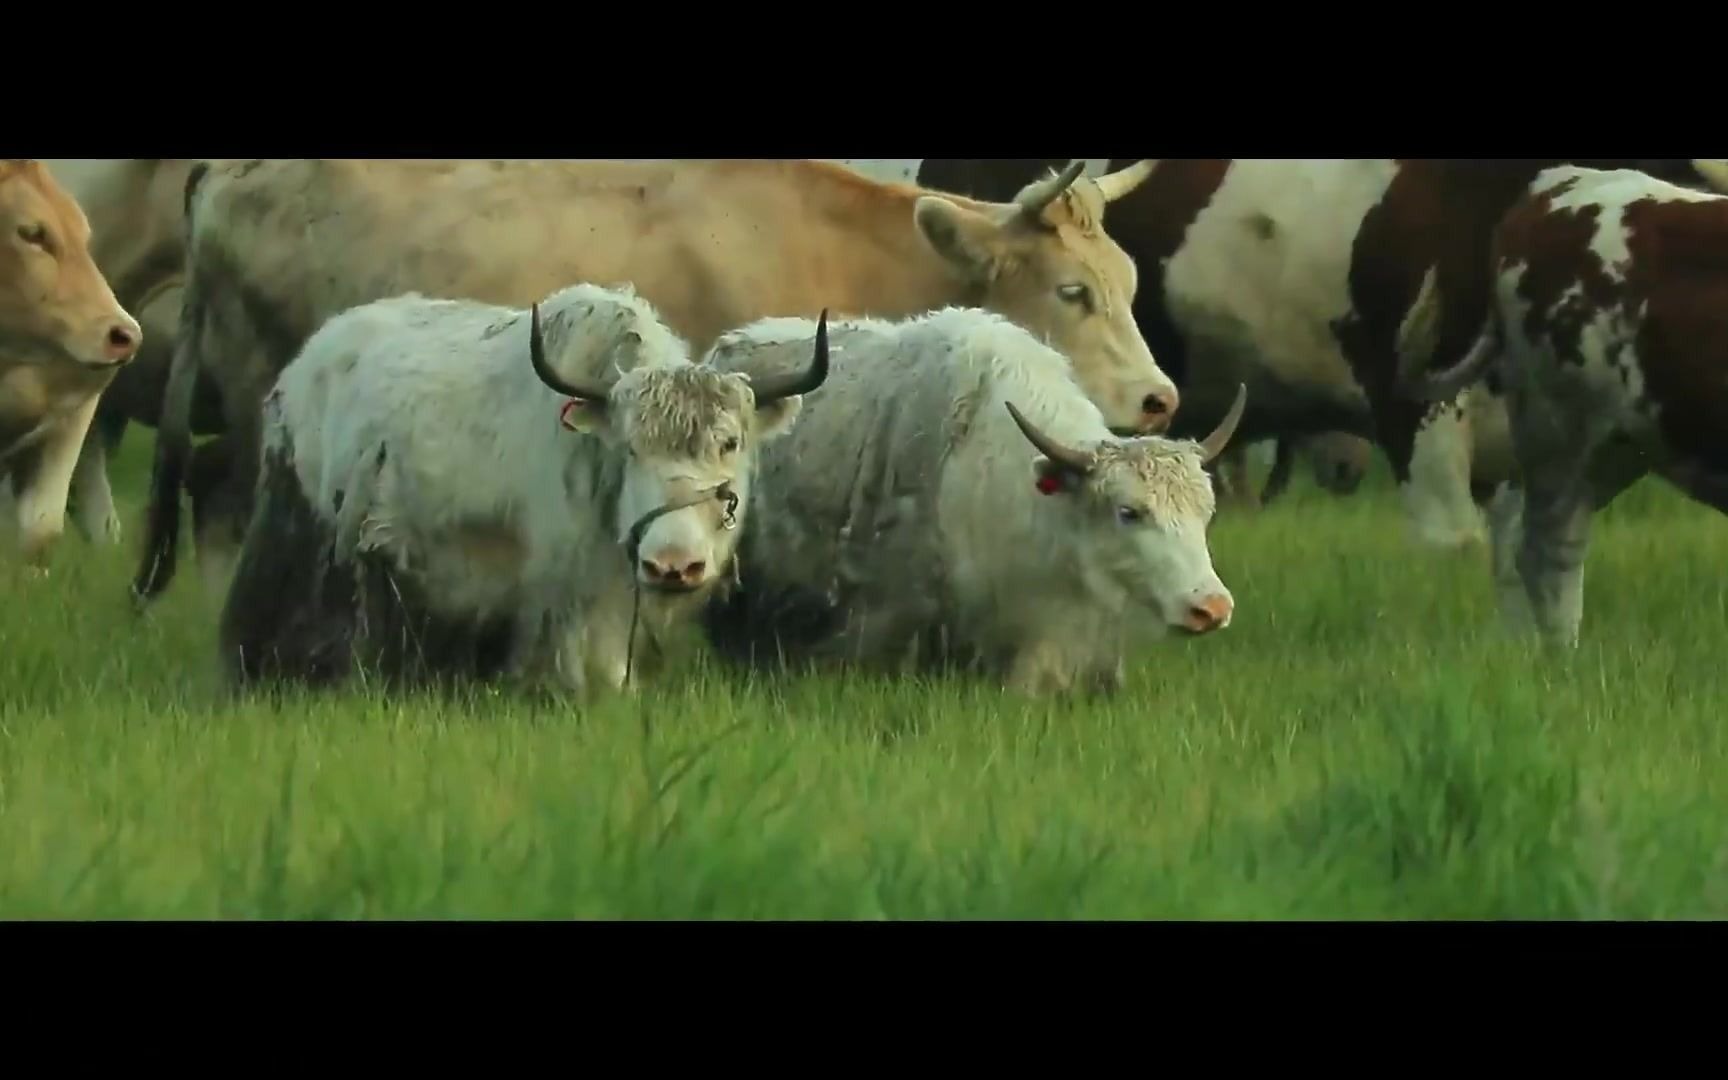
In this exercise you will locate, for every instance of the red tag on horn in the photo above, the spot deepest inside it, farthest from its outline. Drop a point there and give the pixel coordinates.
(564, 414)
(1049, 483)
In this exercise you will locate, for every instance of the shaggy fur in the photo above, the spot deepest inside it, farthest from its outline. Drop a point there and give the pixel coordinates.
(433, 460)
(901, 521)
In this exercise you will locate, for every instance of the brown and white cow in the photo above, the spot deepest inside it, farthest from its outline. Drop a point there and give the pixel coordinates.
(1608, 328)
(1302, 278)
(63, 335)
(278, 247)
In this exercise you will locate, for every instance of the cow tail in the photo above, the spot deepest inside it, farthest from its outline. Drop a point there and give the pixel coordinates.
(1448, 384)
(174, 432)
(1418, 341)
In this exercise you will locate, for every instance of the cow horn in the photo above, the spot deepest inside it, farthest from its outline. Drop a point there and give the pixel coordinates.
(1714, 172)
(776, 387)
(1214, 444)
(537, 357)
(1119, 183)
(1062, 455)
(1035, 198)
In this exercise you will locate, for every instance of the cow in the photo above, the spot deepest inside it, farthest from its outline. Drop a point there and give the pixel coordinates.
(1608, 330)
(427, 512)
(1338, 460)
(953, 500)
(134, 207)
(1306, 278)
(276, 247)
(63, 336)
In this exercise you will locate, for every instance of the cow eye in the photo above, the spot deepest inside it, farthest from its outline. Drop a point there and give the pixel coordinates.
(1128, 515)
(730, 446)
(33, 234)
(1076, 294)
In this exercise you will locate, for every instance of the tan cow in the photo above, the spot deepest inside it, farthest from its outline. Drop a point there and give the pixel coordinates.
(278, 247)
(137, 237)
(63, 335)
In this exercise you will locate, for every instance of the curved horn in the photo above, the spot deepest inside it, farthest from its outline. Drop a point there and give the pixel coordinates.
(1214, 444)
(1714, 172)
(775, 387)
(1065, 456)
(1035, 198)
(537, 357)
(1119, 183)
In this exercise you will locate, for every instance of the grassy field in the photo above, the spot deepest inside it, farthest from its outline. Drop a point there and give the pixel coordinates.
(1361, 743)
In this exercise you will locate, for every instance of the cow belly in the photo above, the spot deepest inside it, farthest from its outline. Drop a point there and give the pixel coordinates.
(842, 560)
(1264, 271)
(290, 610)
(295, 613)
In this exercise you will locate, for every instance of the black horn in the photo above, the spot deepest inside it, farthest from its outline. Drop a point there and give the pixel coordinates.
(537, 356)
(1065, 456)
(1214, 444)
(776, 387)
(1035, 198)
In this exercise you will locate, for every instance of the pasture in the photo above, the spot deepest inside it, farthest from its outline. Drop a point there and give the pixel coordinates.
(1361, 743)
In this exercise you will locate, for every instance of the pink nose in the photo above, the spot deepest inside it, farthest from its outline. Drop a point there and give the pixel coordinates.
(1209, 614)
(1157, 409)
(121, 342)
(674, 568)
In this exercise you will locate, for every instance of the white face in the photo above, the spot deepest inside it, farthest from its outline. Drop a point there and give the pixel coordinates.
(688, 435)
(1143, 511)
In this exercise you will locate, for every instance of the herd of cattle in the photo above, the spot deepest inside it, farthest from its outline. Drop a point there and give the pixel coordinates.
(535, 418)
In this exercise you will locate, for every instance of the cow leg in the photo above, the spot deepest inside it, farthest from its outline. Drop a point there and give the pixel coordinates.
(1437, 499)
(1563, 495)
(592, 654)
(1551, 560)
(290, 612)
(1506, 531)
(1283, 462)
(42, 492)
(1235, 473)
(1036, 669)
(92, 498)
(219, 530)
(1066, 652)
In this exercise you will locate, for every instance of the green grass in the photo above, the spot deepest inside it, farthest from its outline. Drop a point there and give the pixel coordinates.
(1363, 742)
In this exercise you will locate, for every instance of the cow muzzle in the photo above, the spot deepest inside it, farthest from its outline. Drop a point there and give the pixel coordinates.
(1158, 409)
(673, 571)
(115, 344)
(1208, 614)
(675, 568)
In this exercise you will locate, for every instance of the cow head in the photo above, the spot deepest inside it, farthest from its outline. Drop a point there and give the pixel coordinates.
(1045, 262)
(689, 435)
(55, 305)
(1141, 509)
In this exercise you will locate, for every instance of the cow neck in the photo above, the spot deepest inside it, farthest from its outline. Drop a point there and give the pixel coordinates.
(900, 275)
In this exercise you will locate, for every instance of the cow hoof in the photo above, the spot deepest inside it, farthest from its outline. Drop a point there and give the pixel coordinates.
(1456, 543)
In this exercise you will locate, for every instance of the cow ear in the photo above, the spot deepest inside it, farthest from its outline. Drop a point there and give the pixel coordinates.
(585, 417)
(965, 238)
(777, 417)
(1053, 479)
